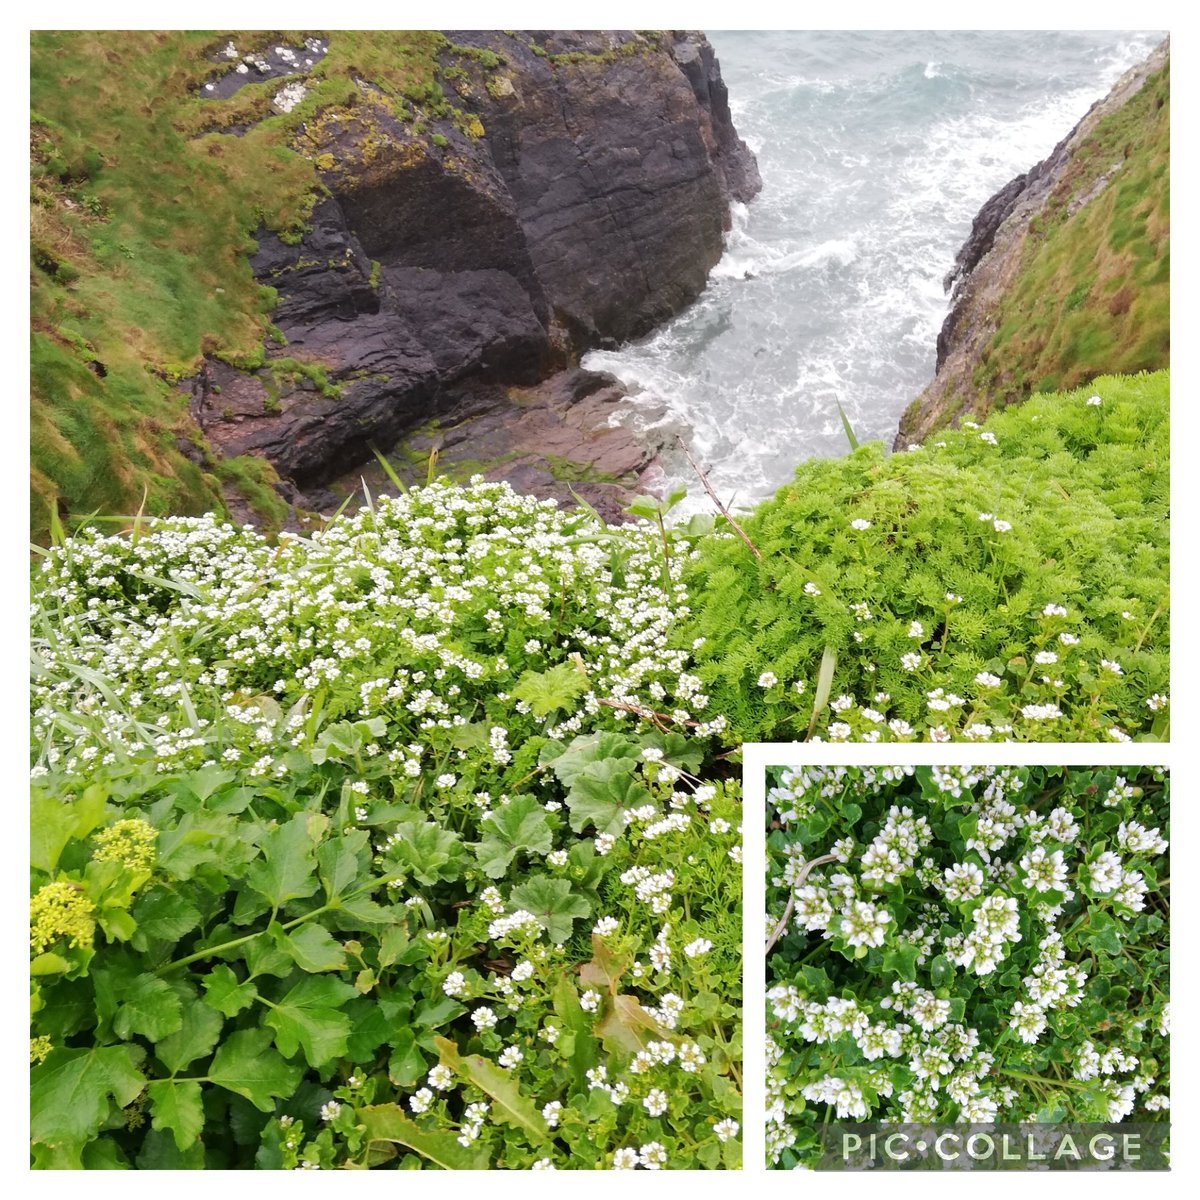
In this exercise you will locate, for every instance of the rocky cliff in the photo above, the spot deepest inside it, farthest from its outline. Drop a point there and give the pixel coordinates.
(453, 261)
(1065, 273)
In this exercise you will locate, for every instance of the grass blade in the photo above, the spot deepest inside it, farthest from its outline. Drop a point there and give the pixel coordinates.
(824, 687)
(846, 425)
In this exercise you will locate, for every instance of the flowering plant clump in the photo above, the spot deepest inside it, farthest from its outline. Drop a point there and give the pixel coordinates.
(1011, 588)
(400, 845)
(965, 945)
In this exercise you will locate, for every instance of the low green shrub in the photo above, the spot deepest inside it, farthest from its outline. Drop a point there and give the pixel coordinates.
(965, 945)
(374, 848)
(1003, 583)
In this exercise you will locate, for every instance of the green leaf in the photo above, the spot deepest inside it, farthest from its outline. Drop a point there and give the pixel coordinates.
(552, 903)
(847, 428)
(823, 688)
(388, 1123)
(941, 971)
(149, 1006)
(902, 960)
(547, 692)
(315, 949)
(247, 1064)
(587, 749)
(200, 1032)
(628, 1027)
(53, 822)
(162, 916)
(577, 1023)
(677, 750)
(603, 794)
(339, 861)
(308, 1017)
(508, 1105)
(287, 869)
(176, 1105)
(406, 1064)
(71, 1091)
(521, 824)
(224, 993)
(428, 851)
(1103, 933)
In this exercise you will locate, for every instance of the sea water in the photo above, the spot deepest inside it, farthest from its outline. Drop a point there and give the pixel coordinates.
(876, 149)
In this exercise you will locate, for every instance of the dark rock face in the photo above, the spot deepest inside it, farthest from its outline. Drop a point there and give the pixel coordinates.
(590, 210)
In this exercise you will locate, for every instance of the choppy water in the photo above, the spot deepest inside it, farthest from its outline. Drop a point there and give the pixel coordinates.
(876, 149)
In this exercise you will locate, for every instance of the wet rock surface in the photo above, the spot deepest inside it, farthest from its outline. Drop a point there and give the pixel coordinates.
(452, 270)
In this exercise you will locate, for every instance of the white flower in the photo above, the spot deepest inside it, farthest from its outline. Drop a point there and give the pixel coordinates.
(1054, 610)
(988, 680)
(653, 1156)
(589, 1001)
(767, 680)
(510, 1056)
(330, 1109)
(1107, 664)
(484, 1018)
(625, 1159)
(454, 984)
(725, 1129)
(1001, 526)
(916, 630)
(420, 1101)
(988, 437)
(698, 947)
(1094, 401)
(1045, 657)
(910, 661)
(1157, 702)
(440, 1078)
(655, 1102)
(552, 1113)
(860, 524)
(812, 589)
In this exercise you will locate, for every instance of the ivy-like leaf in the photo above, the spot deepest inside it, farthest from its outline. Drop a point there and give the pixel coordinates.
(603, 794)
(287, 869)
(247, 1064)
(224, 993)
(521, 824)
(150, 1007)
(72, 1090)
(199, 1033)
(552, 902)
(162, 916)
(549, 691)
(315, 949)
(308, 1017)
(176, 1105)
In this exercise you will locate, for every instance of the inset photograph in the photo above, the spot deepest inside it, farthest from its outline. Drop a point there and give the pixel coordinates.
(967, 967)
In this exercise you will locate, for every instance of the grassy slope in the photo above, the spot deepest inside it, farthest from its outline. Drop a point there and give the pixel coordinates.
(141, 218)
(1092, 296)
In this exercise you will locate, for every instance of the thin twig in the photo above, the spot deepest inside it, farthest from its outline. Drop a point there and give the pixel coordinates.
(796, 885)
(663, 720)
(717, 499)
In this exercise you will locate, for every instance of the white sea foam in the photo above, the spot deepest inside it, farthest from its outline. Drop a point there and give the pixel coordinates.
(876, 151)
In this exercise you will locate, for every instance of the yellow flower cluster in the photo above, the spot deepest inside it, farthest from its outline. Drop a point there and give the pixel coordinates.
(60, 909)
(39, 1047)
(131, 842)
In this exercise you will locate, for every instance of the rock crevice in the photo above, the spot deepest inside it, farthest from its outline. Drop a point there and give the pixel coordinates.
(589, 208)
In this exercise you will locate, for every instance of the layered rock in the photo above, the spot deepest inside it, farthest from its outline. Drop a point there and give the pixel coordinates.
(452, 263)
(992, 257)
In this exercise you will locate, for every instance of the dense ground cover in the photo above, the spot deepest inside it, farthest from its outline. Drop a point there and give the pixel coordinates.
(965, 945)
(368, 849)
(1004, 582)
